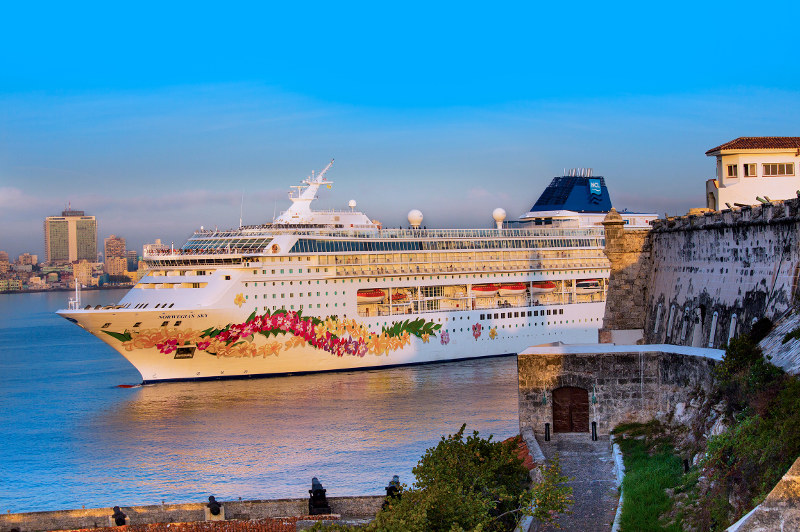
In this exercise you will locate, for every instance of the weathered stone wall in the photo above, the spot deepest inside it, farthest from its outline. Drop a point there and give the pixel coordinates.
(628, 250)
(714, 275)
(779, 511)
(629, 383)
(182, 513)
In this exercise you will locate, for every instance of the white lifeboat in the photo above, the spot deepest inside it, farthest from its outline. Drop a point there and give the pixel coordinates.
(587, 286)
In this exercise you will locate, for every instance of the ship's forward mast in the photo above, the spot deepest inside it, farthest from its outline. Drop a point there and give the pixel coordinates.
(300, 211)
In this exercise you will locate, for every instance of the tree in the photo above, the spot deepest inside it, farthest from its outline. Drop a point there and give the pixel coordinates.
(473, 483)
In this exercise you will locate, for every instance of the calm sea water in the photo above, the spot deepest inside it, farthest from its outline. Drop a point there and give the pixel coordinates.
(71, 437)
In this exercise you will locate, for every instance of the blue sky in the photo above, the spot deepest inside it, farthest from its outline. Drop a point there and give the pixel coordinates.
(157, 117)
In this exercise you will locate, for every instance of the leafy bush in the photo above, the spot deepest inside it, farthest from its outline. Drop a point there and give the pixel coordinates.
(472, 483)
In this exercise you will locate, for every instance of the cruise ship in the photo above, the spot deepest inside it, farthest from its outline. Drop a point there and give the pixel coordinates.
(317, 291)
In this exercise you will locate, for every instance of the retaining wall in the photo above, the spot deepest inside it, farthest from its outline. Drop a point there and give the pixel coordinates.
(367, 506)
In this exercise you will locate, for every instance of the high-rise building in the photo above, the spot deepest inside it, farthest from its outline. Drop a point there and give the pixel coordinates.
(133, 259)
(3, 256)
(114, 246)
(70, 237)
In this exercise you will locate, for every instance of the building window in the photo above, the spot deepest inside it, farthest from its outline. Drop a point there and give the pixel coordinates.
(778, 169)
(733, 170)
(750, 170)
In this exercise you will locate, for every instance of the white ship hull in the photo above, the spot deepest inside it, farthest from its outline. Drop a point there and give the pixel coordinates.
(511, 335)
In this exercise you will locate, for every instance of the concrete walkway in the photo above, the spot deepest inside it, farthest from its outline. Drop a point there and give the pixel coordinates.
(594, 487)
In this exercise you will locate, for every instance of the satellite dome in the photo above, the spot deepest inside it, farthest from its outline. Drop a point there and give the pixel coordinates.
(351, 204)
(415, 217)
(499, 215)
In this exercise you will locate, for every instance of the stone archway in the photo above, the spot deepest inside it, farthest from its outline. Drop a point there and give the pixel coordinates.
(570, 409)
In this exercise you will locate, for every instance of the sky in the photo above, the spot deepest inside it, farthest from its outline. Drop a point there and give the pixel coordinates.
(158, 118)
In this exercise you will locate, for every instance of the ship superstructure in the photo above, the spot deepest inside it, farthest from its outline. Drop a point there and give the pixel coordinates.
(333, 290)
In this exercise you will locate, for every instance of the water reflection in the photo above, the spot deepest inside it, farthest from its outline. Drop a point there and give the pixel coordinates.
(74, 439)
(268, 437)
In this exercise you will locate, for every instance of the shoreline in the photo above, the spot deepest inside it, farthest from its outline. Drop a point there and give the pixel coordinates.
(83, 289)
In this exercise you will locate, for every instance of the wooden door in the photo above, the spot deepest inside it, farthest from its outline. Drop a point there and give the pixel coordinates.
(570, 409)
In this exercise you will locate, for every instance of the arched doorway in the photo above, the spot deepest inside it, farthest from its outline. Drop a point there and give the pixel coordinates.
(570, 409)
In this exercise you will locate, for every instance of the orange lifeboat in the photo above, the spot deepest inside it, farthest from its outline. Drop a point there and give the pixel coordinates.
(399, 297)
(542, 287)
(485, 290)
(512, 289)
(370, 295)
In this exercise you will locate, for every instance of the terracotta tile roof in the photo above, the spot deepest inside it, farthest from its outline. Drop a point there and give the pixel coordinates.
(758, 143)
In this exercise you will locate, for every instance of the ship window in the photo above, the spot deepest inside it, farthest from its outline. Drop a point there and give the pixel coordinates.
(171, 305)
(516, 314)
(529, 313)
(177, 323)
(105, 325)
(503, 315)
(495, 316)
(164, 324)
(483, 316)
(227, 277)
(137, 323)
(561, 311)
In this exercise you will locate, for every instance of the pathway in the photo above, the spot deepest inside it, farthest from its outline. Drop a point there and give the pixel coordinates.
(594, 488)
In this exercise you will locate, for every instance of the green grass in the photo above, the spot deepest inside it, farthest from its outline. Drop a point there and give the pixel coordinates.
(650, 468)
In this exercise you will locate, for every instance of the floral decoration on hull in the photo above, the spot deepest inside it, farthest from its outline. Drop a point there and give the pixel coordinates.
(338, 337)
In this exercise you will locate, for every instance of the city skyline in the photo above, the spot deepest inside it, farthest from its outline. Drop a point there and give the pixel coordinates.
(451, 111)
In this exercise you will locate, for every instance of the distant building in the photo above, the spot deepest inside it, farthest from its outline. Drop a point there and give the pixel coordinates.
(28, 259)
(749, 168)
(82, 271)
(10, 284)
(114, 246)
(116, 266)
(3, 256)
(133, 260)
(4, 266)
(70, 237)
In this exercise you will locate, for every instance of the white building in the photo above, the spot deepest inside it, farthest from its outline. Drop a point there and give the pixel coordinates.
(749, 168)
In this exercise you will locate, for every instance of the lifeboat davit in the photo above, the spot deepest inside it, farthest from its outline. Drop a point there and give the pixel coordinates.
(485, 290)
(370, 295)
(587, 286)
(542, 287)
(512, 289)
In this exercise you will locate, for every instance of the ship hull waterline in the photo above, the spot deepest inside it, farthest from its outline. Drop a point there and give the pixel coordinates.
(457, 340)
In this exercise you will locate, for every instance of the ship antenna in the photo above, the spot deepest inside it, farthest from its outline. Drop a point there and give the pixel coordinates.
(241, 210)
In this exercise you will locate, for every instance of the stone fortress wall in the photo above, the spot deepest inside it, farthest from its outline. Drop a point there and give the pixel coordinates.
(699, 280)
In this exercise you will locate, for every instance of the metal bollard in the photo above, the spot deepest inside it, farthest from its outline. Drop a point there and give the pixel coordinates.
(594, 430)
(547, 432)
